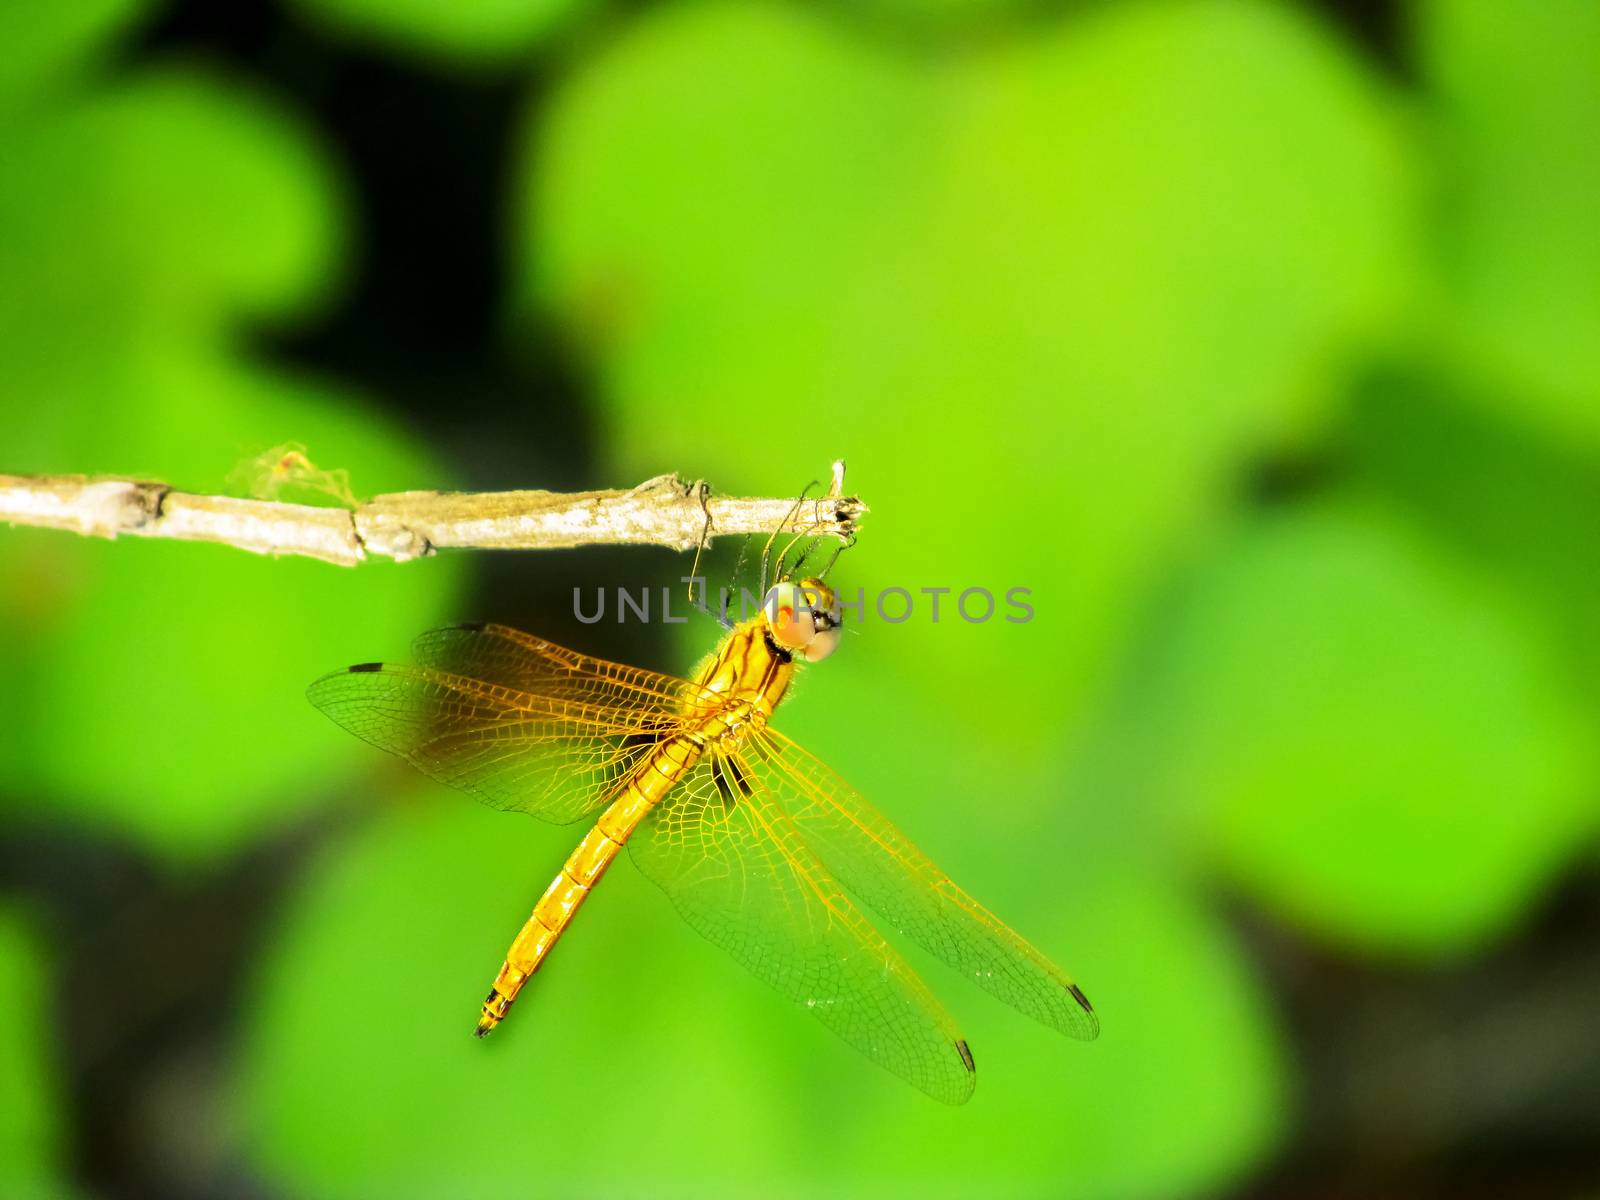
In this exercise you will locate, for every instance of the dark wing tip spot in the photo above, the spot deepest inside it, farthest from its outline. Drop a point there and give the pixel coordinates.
(1077, 994)
(966, 1056)
(473, 626)
(365, 668)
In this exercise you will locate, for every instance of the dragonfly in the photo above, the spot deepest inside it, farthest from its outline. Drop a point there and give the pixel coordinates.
(761, 848)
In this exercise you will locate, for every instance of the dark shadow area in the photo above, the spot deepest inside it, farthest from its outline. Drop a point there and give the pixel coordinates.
(1477, 1079)
(150, 971)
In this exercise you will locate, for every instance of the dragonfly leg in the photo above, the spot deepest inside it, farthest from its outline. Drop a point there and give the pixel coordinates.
(736, 774)
(730, 780)
(720, 778)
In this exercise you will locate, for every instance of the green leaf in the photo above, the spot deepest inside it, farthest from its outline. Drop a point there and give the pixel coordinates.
(1371, 739)
(1044, 296)
(173, 203)
(643, 1052)
(1517, 102)
(1067, 862)
(30, 1110)
(1186, 1049)
(42, 42)
(158, 685)
(164, 681)
(1495, 491)
(377, 979)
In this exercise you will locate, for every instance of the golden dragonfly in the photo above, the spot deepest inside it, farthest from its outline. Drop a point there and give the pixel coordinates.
(762, 849)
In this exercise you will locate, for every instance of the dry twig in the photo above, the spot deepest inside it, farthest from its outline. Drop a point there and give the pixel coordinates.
(404, 525)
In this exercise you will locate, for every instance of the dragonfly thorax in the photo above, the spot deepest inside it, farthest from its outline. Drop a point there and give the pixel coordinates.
(742, 683)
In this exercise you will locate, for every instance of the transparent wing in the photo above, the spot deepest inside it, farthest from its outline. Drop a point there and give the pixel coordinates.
(738, 871)
(886, 872)
(500, 654)
(515, 721)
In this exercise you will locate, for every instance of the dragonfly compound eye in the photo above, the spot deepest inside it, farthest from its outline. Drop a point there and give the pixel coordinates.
(824, 644)
(803, 618)
(790, 620)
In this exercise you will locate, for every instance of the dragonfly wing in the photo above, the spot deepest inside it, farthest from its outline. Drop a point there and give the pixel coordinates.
(738, 871)
(886, 872)
(528, 663)
(550, 755)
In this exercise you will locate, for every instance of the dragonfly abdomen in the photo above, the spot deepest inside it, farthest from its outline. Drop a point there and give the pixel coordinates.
(644, 789)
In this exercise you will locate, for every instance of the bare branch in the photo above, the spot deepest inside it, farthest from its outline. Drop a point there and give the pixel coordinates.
(404, 525)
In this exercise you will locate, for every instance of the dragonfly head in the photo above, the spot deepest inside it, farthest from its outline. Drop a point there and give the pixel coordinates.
(803, 618)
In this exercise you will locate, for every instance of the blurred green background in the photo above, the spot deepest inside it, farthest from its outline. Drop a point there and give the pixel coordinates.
(1260, 340)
